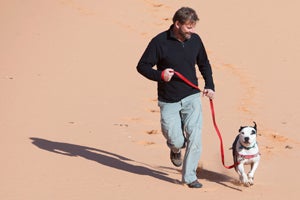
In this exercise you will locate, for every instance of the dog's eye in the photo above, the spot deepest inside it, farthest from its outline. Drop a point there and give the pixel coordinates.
(253, 132)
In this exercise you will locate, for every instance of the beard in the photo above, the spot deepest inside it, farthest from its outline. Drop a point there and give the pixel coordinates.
(185, 35)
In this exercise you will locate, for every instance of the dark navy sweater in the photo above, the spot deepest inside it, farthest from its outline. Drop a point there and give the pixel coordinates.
(165, 51)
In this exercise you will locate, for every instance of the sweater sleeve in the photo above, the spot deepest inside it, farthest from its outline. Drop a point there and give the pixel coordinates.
(148, 60)
(205, 67)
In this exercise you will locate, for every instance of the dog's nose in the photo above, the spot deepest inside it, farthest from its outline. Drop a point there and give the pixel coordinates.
(246, 139)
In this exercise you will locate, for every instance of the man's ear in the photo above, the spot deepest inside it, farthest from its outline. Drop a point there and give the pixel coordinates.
(177, 24)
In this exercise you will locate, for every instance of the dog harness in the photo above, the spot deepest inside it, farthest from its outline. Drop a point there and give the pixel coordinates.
(248, 156)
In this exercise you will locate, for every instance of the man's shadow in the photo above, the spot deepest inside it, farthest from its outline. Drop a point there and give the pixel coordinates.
(103, 157)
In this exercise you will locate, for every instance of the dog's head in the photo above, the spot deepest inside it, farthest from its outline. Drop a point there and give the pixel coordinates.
(247, 135)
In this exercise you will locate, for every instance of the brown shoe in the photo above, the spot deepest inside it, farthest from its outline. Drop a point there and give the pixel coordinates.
(176, 158)
(195, 184)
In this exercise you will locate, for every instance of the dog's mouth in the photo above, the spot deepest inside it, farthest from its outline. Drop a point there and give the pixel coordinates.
(246, 142)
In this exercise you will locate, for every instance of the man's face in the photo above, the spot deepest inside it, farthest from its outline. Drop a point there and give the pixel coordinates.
(186, 30)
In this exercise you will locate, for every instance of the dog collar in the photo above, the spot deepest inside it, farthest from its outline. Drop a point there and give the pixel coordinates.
(247, 148)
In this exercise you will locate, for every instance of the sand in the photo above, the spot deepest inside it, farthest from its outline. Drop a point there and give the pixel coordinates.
(78, 122)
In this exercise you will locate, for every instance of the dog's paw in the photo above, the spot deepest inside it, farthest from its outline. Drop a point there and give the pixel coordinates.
(250, 179)
(246, 180)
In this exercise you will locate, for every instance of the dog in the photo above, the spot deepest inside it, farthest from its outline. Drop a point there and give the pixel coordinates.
(245, 151)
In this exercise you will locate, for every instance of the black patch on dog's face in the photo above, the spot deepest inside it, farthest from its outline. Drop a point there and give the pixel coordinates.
(255, 127)
(241, 128)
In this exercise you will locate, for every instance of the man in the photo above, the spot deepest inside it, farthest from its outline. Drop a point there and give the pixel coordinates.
(180, 49)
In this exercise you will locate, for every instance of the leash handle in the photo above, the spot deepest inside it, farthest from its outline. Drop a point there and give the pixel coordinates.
(213, 118)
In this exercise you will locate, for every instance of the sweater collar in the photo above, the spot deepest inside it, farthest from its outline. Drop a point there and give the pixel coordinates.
(171, 32)
(172, 35)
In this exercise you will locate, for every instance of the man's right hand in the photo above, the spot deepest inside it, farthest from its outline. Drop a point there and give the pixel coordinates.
(167, 74)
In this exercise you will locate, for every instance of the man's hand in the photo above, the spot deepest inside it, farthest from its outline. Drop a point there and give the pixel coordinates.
(209, 93)
(167, 74)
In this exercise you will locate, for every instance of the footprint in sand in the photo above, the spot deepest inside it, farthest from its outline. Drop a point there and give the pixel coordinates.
(154, 110)
(249, 90)
(146, 143)
(276, 142)
(153, 132)
(121, 124)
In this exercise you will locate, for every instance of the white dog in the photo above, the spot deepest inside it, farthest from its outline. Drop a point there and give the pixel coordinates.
(245, 151)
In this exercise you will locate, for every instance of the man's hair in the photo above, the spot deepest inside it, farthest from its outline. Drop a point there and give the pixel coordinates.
(184, 15)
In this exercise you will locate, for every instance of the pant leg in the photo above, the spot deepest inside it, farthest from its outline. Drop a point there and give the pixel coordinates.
(191, 115)
(171, 125)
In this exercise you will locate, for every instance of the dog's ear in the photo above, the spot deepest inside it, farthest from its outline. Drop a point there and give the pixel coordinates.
(255, 126)
(241, 128)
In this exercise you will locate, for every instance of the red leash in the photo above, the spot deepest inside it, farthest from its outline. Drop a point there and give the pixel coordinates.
(213, 118)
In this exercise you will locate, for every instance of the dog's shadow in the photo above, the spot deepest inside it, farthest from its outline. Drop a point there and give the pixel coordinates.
(219, 178)
(100, 156)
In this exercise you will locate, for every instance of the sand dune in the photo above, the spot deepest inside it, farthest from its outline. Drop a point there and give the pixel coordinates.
(78, 122)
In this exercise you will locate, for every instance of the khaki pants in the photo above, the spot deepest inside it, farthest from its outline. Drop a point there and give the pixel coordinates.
(181, 123)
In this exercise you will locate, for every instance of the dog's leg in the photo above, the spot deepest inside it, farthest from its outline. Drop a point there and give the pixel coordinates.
(243, 175)
(252, 172)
